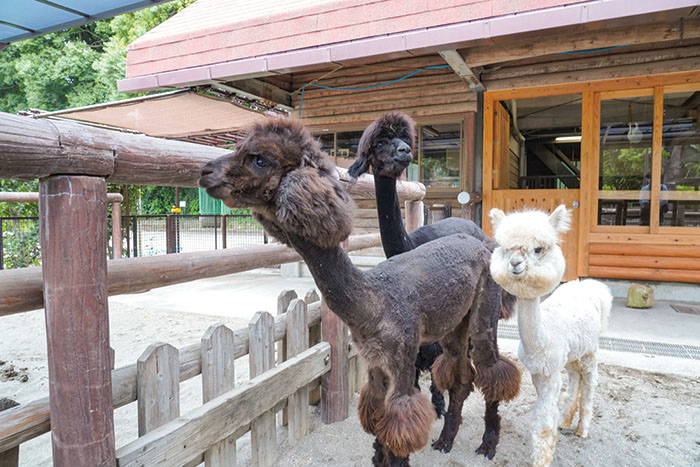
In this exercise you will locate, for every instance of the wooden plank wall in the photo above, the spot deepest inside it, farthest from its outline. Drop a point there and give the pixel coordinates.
(428, 93)
(639, 60)
(662, 257)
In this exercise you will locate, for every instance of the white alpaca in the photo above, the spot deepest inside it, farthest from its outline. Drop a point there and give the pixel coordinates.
(560, 333)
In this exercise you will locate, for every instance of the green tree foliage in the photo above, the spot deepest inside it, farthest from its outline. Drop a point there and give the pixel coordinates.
(71, 68)
(77, 66)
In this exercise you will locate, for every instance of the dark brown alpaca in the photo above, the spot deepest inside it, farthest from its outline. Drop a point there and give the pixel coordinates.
(386, 146)
(428, 294)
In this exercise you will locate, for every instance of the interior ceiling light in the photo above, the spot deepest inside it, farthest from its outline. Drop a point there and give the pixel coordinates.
(568, 139)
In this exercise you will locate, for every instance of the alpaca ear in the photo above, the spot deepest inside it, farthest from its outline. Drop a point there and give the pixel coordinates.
(312, 205)
(359, 167)
(496, 216)
(560, 219)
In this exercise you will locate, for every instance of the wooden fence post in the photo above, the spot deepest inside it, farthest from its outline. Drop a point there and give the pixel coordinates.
(9, 458)
(170, 234)
(414, 215)
(263, 431)
(283, 300)
(158, 376)
(297, 342)
(218, 377)
(73, 220)
(314, 338)
(116, 230)
(224, 228)
(335, 392)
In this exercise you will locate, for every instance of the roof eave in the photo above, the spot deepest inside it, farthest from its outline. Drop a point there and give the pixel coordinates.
(412, 43)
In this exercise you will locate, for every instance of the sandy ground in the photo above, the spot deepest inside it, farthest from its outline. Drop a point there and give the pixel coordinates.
(641, 417)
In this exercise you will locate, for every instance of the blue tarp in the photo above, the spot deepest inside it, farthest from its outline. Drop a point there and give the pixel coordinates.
(22, 19)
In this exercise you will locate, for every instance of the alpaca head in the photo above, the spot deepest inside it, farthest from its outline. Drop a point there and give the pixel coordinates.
(279, 170)
(528, 262)
(386, 145)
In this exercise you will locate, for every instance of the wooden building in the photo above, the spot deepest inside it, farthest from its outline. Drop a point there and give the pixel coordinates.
(590, 103)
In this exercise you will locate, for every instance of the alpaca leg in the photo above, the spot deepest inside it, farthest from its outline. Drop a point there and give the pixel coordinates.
(370, 409)
(544, 433)
(452, 371)
(589, 366)
(407, 415)
(573, 395)
(492, 429)
(437, 398)
(426, 357)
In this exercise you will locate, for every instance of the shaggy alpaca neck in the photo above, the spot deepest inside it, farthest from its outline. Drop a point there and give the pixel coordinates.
(530, 326)
(340, 282)
(395, 239)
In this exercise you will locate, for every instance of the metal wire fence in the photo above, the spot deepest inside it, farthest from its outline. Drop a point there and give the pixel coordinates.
(143, 235)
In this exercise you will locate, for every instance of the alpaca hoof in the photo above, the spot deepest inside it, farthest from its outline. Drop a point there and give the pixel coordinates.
(442, 445)
(486, 450)
(439, 411)
(582, 434)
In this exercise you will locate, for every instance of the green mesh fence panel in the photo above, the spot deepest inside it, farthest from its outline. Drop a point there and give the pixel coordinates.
(209, 205)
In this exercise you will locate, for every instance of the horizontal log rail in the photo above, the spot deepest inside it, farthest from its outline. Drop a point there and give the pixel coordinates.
(32, 148)
(33, 197)
(27, 421)
(22, 289)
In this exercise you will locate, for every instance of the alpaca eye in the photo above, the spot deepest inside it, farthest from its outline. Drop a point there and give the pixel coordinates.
(260, 161)
(379, 145)
(538, 250)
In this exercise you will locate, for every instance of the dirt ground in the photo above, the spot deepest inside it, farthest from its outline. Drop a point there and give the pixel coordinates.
(640, 418)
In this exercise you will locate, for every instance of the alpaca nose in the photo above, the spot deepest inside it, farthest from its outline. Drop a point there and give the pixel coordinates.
(517, 265)
(403, 152)
(206, 170)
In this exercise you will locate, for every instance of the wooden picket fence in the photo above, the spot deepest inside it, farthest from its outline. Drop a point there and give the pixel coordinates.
(286, 359)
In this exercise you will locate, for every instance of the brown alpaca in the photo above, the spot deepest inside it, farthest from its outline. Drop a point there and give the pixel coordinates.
(385, 146)
(429, 294)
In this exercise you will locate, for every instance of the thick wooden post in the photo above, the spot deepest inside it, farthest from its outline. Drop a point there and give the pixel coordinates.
(414, 215)
(335, 389)
(116, 230)
(170, 234)
(73, 218)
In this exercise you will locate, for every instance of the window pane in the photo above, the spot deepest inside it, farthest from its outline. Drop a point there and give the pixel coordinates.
(625, 160)
(440, 155)
(680, 167)
(347, 148)
(542, 149)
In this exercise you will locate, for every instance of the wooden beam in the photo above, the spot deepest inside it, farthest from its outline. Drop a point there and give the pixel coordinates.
(257, 89)
(183, 439)
(33, 148)
(519, 48)
(22, 288)
(73, 220)
(457, 63)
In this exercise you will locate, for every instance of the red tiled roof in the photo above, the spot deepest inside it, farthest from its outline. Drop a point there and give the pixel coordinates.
(217, 31)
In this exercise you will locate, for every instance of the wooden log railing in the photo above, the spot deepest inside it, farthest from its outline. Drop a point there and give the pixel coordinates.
(22, 289)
